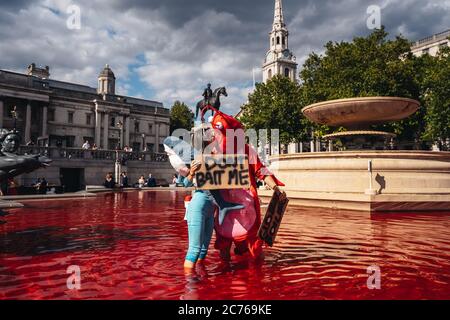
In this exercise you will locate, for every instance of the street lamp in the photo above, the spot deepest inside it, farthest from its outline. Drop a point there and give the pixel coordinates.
(14, 116)
(143, 141)
(120, 126)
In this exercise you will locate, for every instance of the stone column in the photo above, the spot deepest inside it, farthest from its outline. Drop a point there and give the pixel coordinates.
(105, 131)
(44, 121)
(28, 123)
(1, 113)
(157, 137)
(313, 144)
(127, 131)
(98, 124)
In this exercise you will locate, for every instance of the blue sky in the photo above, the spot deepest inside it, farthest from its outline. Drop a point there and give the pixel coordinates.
(168, 50)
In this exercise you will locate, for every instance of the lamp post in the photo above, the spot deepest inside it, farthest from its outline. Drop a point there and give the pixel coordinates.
(143, 142)
(120, 126)
(118, 164)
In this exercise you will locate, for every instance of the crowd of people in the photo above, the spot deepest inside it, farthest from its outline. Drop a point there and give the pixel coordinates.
(149, 182)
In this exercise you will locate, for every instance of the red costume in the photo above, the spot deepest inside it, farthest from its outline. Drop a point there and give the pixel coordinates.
(240, 226)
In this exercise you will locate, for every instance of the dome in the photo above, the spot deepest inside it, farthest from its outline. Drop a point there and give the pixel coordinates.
(107, 73)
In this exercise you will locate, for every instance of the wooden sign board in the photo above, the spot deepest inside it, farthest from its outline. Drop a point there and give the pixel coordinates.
(227, 171)
(272, 220)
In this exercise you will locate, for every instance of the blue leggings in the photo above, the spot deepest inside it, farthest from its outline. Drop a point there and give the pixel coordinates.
(200, 220)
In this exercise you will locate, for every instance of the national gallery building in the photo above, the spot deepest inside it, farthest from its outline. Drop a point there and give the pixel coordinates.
(60, 117)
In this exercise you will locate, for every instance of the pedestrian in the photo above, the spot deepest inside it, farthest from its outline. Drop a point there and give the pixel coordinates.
(141, 182)
(151, 182)
(124, 182)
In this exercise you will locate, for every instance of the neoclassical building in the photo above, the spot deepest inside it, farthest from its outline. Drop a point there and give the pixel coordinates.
(279, 59)
(432, 44)
(57, 113)
(58, 117)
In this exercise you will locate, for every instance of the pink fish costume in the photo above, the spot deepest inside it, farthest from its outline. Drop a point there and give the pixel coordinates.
(240, 226)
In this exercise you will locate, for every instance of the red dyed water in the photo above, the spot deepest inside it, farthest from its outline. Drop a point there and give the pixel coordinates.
(132, 246)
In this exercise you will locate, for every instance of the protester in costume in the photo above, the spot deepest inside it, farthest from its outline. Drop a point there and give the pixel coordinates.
(202, 206)
(240, 226)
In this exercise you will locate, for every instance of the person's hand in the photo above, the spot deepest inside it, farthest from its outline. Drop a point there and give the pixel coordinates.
(195, 166)
(283, 195)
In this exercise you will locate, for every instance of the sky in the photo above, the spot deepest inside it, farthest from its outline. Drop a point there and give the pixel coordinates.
(168, 50)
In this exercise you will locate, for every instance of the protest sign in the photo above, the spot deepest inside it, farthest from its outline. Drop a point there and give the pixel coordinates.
(228, 171)
(272, 220)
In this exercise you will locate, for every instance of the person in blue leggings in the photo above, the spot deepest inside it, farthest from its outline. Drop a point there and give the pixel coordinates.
(200, 220)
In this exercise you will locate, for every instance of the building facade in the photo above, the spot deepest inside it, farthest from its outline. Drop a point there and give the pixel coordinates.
(431, 45)
(279, 59)
(58, 115)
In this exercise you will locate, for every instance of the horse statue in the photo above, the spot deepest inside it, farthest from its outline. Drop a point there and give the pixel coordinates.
(214, 101)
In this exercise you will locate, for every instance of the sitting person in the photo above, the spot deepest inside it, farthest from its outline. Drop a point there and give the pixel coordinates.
(109, 181)
(151, 182)
(141, 182)
(124, 183)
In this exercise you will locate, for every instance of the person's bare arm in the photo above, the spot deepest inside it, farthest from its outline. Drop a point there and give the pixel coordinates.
(270, 182)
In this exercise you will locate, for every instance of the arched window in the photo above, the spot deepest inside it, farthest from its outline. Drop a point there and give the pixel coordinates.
(287, 72)
(283, 40)
(270, 74)
(278, 40)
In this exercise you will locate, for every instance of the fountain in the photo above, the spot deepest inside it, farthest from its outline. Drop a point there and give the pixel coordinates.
(361, 179)
(357, 115)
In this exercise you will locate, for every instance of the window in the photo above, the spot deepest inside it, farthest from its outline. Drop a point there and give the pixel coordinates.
(270, 74)
(136, 126)
(150, 128)
(150, 147)
(113, 122)
(278, 40)
(70, 117)
(284, 40)
(88, 119)
(287, 72)
(51, 115)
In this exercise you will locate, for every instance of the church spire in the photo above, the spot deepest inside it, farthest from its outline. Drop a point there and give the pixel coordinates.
(278, 21)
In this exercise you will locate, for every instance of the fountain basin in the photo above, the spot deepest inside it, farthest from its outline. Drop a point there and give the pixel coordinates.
(401, 180)
(360, 111)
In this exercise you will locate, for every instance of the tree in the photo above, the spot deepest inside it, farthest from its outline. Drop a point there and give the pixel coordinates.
(367, 66)
(181, 117)
(276, 105)
(436, 88)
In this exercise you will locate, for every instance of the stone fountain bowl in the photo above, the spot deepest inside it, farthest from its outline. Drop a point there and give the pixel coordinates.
(360, 111)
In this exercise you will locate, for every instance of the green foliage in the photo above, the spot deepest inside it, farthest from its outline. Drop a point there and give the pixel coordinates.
(277, 105)
(181, 117)
(367, 66)
(436, 88)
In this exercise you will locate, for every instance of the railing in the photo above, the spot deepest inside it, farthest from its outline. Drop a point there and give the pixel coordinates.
(57, 153)
(439, 36)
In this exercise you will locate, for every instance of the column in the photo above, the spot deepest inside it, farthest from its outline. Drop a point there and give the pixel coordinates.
(44, 121)
(1, 113)
(98, 124)
(28, 123)
(127, 131)
(105, 131)
(313, 144)
(157, 137)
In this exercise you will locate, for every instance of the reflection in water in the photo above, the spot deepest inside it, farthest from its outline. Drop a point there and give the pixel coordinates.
(132, 246)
